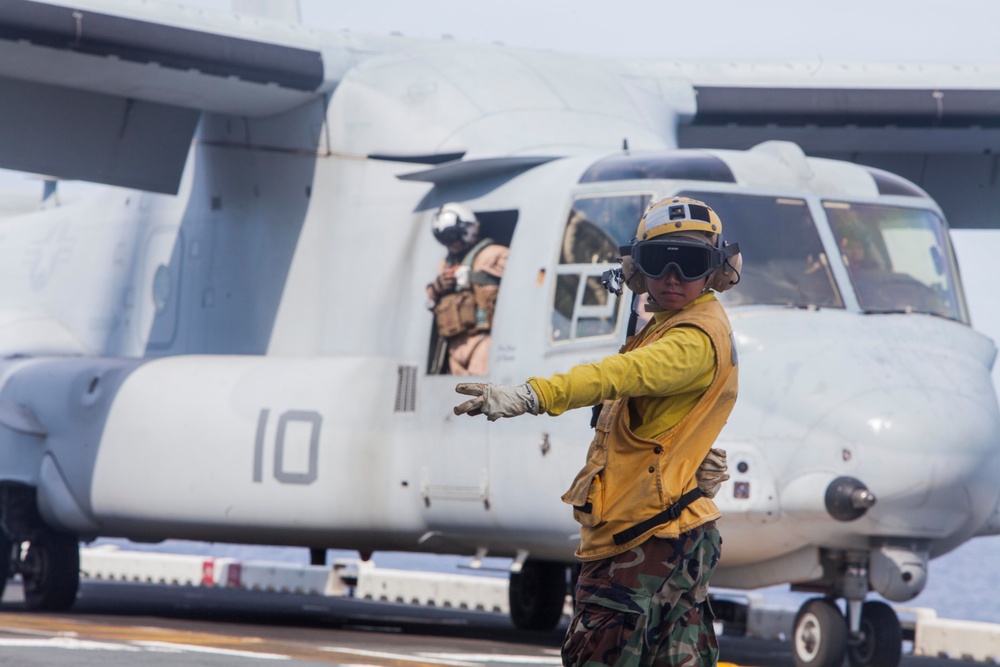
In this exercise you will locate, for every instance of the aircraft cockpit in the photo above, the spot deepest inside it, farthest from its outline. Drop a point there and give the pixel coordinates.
(784, 261)
(884, 257)
(898, 259)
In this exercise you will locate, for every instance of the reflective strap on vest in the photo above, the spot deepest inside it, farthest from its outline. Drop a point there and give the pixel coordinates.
(666, 516)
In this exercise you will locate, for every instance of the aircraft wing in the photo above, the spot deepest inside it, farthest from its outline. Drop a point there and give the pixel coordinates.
(871, 107)
(115, 98)
(936, 124)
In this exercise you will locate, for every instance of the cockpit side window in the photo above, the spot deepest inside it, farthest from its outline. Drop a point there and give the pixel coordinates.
(898, 258)
(783, 258)
(595, 228)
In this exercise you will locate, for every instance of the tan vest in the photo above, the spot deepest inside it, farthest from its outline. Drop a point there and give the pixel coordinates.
(628, 479)
(470, 308)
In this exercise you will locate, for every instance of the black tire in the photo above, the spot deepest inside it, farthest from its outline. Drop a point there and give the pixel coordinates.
(820, 635)
(537, 595)
(51, 572)
(882, 643)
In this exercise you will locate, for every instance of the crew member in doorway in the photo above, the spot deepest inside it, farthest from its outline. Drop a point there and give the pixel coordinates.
(463, 295)
(648, 539)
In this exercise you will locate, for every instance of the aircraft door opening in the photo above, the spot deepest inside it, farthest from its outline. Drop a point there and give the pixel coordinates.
(454, 480)
(496, 228)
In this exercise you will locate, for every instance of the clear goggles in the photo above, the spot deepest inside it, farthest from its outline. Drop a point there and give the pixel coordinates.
(691, 259)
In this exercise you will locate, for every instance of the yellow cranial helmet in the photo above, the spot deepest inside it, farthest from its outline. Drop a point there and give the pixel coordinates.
(695, 249)
(675, 215)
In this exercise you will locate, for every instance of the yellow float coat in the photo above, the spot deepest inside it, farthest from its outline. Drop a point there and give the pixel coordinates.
(630, 477)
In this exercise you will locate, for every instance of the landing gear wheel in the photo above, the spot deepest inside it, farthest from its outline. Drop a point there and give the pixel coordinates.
(820, 635)
(882, 643)
(50, 570)
(537, 595)
(5, 555)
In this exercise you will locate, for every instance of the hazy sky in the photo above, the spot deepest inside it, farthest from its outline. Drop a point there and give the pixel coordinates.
(889, 30)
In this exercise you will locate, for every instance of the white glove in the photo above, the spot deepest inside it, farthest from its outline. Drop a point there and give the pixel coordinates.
(497, 400)
(712, 472)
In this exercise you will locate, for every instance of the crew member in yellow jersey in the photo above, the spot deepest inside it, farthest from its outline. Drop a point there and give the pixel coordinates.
(648, 539)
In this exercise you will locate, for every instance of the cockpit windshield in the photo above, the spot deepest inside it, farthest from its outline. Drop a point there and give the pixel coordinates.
(783, 258)
(898, 258)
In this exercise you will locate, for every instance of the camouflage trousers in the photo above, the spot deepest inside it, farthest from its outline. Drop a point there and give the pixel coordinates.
(647, 606)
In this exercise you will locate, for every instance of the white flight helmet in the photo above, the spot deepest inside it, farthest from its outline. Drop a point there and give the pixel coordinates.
(455, 222)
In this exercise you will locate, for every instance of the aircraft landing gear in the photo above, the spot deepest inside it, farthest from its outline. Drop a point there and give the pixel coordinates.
(821, 636)
(881, 638)
(5, 558)
(47, 560)
(537, 595)
(49, 565)
(870, 634)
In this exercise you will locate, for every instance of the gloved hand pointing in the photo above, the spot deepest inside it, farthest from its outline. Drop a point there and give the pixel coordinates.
(712, 472)
(497, 400)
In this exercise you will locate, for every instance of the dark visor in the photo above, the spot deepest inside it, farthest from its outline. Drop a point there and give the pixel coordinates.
(693, 260)
(448, 235)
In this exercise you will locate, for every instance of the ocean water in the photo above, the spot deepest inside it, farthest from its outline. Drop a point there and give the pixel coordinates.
(961, 585)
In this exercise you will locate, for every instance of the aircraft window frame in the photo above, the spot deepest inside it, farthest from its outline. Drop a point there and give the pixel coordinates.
(892, 279)
(788, 269)
(594, 314)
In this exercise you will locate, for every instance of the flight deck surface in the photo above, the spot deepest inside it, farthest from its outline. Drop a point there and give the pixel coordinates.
(118, 624)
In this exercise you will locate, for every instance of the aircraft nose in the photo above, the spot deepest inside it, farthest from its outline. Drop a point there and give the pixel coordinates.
(928, 456)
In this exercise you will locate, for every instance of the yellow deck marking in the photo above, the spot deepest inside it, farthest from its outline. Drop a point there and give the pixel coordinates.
(64, 626)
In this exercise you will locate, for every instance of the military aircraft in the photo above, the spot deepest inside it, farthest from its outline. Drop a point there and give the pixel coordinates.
(231, 341)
